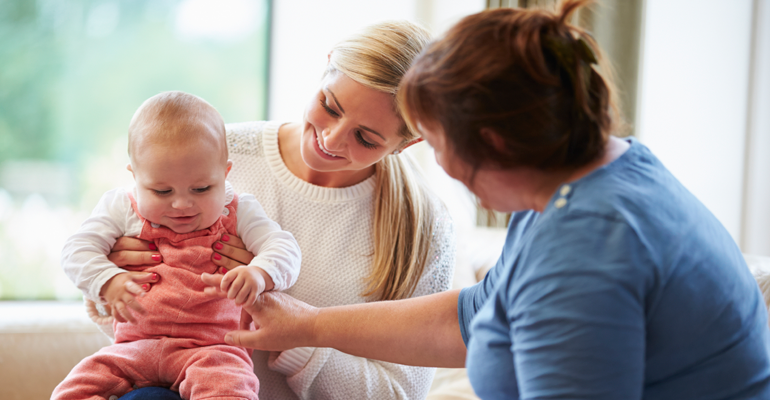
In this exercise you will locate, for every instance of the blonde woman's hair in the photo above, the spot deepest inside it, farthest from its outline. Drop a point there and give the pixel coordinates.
(378, 58)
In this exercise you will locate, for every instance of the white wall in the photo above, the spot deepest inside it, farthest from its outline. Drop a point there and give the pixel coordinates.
(305, 30)
(694, 94)
(756, 228)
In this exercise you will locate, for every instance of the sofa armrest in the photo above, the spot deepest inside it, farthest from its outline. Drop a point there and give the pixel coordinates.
(40, 342)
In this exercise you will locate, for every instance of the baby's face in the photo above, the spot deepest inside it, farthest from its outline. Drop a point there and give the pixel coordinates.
(180, 186)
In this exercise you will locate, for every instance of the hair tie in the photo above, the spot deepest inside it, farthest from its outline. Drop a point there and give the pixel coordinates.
(567, 53)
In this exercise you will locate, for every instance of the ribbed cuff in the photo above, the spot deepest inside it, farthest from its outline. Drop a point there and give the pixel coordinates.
(290, 362)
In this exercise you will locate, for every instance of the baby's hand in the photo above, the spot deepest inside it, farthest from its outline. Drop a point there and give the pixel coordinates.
(242, 284)
(121, 292)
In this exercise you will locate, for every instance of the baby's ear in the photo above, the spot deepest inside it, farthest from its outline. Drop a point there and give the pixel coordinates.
(128, 167)
(229, 167)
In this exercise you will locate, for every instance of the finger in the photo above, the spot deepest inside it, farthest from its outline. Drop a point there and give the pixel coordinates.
(141, 277)
(243, 295)
(132, 303)
(235, 288)
(131, 243)
(234, 241)
(214, 291)
(227, 281)
(243, 338)
(252, 297)
(246, 320)
(212, 279)
(133, 288)
(237, 254)
(130, 257)
(118, 317)
(225, 262)
(122, 310)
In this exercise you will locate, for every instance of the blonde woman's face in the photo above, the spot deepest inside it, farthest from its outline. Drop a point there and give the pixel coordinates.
(348, 126)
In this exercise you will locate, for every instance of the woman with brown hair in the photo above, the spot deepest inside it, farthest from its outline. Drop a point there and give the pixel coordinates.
(614, 283)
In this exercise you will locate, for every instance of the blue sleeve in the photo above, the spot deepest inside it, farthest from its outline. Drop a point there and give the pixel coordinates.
(472, 298)
(576, 311)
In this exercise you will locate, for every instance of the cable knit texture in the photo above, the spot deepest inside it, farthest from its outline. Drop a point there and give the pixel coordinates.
(333, 227)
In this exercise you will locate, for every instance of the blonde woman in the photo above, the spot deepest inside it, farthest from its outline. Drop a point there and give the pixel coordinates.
(368, 228)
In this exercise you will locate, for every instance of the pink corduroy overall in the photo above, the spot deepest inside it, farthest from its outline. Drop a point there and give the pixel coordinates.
(179, 343)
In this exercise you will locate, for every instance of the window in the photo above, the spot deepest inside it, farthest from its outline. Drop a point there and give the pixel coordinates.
(72, 75)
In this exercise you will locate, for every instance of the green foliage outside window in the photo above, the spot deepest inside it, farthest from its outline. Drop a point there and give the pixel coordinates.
(72, 73)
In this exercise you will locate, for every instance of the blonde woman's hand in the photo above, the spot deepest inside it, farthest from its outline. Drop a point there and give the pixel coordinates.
(129, 251)
(230, 252)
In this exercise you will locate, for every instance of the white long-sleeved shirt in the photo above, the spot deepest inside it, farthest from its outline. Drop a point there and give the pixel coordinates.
(334, 229)
(84, 257)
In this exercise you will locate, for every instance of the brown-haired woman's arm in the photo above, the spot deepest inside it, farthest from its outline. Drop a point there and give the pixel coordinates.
(422, 331)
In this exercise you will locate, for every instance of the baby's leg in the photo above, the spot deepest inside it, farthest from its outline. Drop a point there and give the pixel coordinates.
(219, 371)
(112, 371)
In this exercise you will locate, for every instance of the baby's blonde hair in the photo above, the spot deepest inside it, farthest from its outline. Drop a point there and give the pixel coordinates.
(378, 58)
(163, 118)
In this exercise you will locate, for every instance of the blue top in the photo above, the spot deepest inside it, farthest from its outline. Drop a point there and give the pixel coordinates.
(625, 287)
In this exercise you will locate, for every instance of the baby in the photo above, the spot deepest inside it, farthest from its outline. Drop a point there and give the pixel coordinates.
(183, 205)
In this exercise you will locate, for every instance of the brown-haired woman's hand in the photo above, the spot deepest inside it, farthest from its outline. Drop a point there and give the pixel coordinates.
(282, 322)
(230, 252)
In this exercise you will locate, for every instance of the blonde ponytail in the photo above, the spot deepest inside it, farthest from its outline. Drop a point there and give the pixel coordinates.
(403, 228)
(403, 216)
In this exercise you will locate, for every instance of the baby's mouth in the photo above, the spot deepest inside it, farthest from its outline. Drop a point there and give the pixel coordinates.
(183, 218)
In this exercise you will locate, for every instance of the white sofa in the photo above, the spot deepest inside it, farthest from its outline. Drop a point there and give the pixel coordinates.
(41, 341)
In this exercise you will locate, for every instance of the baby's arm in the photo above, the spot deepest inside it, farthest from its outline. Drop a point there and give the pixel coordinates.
(84, 256)
(277, 260)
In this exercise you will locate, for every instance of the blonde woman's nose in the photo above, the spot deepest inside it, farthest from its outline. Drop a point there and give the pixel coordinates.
(333, 138)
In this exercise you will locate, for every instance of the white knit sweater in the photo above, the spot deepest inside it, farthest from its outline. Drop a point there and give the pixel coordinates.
(333, 227)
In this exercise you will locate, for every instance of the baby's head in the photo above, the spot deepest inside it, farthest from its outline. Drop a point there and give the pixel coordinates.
(178, 151)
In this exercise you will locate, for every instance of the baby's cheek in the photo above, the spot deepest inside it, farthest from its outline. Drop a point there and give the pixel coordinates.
(148, 209)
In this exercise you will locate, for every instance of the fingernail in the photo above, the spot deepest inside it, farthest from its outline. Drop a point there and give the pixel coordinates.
(218, 246)
(154, 276)
(225, 238)
(156, 257)
(153, 246)
(229, 339)
(217, 256)
(145, 286)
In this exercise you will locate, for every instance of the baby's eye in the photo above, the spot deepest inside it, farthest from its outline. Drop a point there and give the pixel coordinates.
(161, 192)
(201, 190)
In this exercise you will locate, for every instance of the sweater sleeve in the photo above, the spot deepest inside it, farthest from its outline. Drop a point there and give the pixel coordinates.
(276, 250)
(324, 373)
(84, 256)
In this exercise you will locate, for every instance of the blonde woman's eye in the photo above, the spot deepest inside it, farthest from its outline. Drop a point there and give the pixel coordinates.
(329, 109)
(360, 139)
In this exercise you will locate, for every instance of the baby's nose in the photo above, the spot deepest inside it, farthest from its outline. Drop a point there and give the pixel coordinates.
(181, 203)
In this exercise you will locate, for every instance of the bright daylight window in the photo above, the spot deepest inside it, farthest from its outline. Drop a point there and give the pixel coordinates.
(72, 73)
